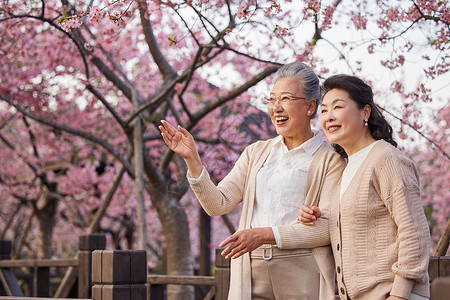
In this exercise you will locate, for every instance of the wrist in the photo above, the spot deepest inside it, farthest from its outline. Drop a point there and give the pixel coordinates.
(267, 235)
(195, 166)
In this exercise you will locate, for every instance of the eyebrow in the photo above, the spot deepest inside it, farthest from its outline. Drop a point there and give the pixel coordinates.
(290, 93)
(334, 101)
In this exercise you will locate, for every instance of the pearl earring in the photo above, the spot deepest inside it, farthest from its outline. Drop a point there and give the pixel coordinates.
(309, 111)
(366, 122)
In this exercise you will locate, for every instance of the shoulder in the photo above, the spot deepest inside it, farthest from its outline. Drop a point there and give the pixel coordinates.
(260, 145)
(326, 159)
(327, 152)
(383, 151)
(385, 158)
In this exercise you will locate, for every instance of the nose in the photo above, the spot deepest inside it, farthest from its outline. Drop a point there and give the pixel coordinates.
(278, 107)
(328, 115)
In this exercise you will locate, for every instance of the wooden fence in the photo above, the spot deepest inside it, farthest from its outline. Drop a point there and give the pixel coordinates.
(99, 274)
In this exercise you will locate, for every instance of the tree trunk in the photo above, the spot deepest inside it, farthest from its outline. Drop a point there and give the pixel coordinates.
(444, 241)
(139, 176)
(178, 246)
(46, 217)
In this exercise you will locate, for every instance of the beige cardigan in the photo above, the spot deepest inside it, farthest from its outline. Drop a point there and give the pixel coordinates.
(379, 233)
(239, 185)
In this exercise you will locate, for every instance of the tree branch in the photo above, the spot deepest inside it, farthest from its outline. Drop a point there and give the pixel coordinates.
(418, 131)
(167, 71)
(85, 135)
(231, 95)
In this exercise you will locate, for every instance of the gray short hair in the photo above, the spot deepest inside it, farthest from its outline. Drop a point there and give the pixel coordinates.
(310, 82)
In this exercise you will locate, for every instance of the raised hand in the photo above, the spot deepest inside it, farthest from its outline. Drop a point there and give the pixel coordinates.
(182, 143)
(308, 214)
(179, 140)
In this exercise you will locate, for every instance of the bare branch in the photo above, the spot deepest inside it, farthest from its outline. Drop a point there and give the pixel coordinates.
(165, 89)
(106, 104)
(231, 95)
(163, 65)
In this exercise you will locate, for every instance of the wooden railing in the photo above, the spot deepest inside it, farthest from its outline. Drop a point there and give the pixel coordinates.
(100, 274)
(219, 283)
(77, 276)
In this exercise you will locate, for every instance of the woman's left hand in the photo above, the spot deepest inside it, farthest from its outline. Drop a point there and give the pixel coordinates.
(246, 240)
(308, 214)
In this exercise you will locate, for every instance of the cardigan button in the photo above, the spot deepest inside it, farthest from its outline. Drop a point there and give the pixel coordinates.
(342, 291)
(337, 247)
(338, 269)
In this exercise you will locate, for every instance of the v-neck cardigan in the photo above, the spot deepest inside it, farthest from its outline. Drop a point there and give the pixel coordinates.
(239, 186)
(379, 232)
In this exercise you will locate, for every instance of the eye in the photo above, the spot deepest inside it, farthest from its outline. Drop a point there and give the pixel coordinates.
(337, 107)
(323, 111)
(285, 99)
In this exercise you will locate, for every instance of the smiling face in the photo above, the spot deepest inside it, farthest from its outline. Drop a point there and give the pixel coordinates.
(343, 121)
(291, 119)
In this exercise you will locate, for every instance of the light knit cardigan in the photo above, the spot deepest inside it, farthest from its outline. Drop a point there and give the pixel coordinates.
(239, 186)
(379, 233)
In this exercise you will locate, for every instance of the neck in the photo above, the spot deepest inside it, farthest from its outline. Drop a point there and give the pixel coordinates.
(293, 142)
(361, 143)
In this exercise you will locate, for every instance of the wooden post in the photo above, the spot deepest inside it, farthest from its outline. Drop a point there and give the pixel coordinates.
(439, 266)
(41, 282)
(440, 288)
(8, 282)
(156, 292)
(222, 276)
(119, 275)
(87, 244)
(205, 240)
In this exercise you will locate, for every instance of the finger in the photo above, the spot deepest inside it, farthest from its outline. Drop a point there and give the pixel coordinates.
(307, 223)
(170, 129)
(227, 241)
(183, 131)
(228, 251)
(166, 140)
(316, 211)
(307, 216)
(163, 131)
(234, 252)
(225, 252)
(238, 254)
(307, 209)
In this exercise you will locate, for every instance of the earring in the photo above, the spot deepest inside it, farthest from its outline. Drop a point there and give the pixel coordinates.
(309, 111)
(366, 122)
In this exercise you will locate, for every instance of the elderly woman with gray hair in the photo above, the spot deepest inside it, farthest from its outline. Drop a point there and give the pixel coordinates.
(274, 257)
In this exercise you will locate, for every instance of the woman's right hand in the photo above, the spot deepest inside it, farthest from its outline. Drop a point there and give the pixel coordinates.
(182, 143)
(179, 140)
(308, 214)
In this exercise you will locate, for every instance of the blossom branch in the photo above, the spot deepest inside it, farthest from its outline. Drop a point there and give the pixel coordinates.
(418, 131)
(85, 135)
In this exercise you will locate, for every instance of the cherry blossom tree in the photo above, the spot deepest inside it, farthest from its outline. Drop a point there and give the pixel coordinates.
(84, 85)
(435, 177)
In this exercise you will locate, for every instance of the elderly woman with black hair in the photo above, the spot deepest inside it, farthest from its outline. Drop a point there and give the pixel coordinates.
(379, 234)
(273, 257)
